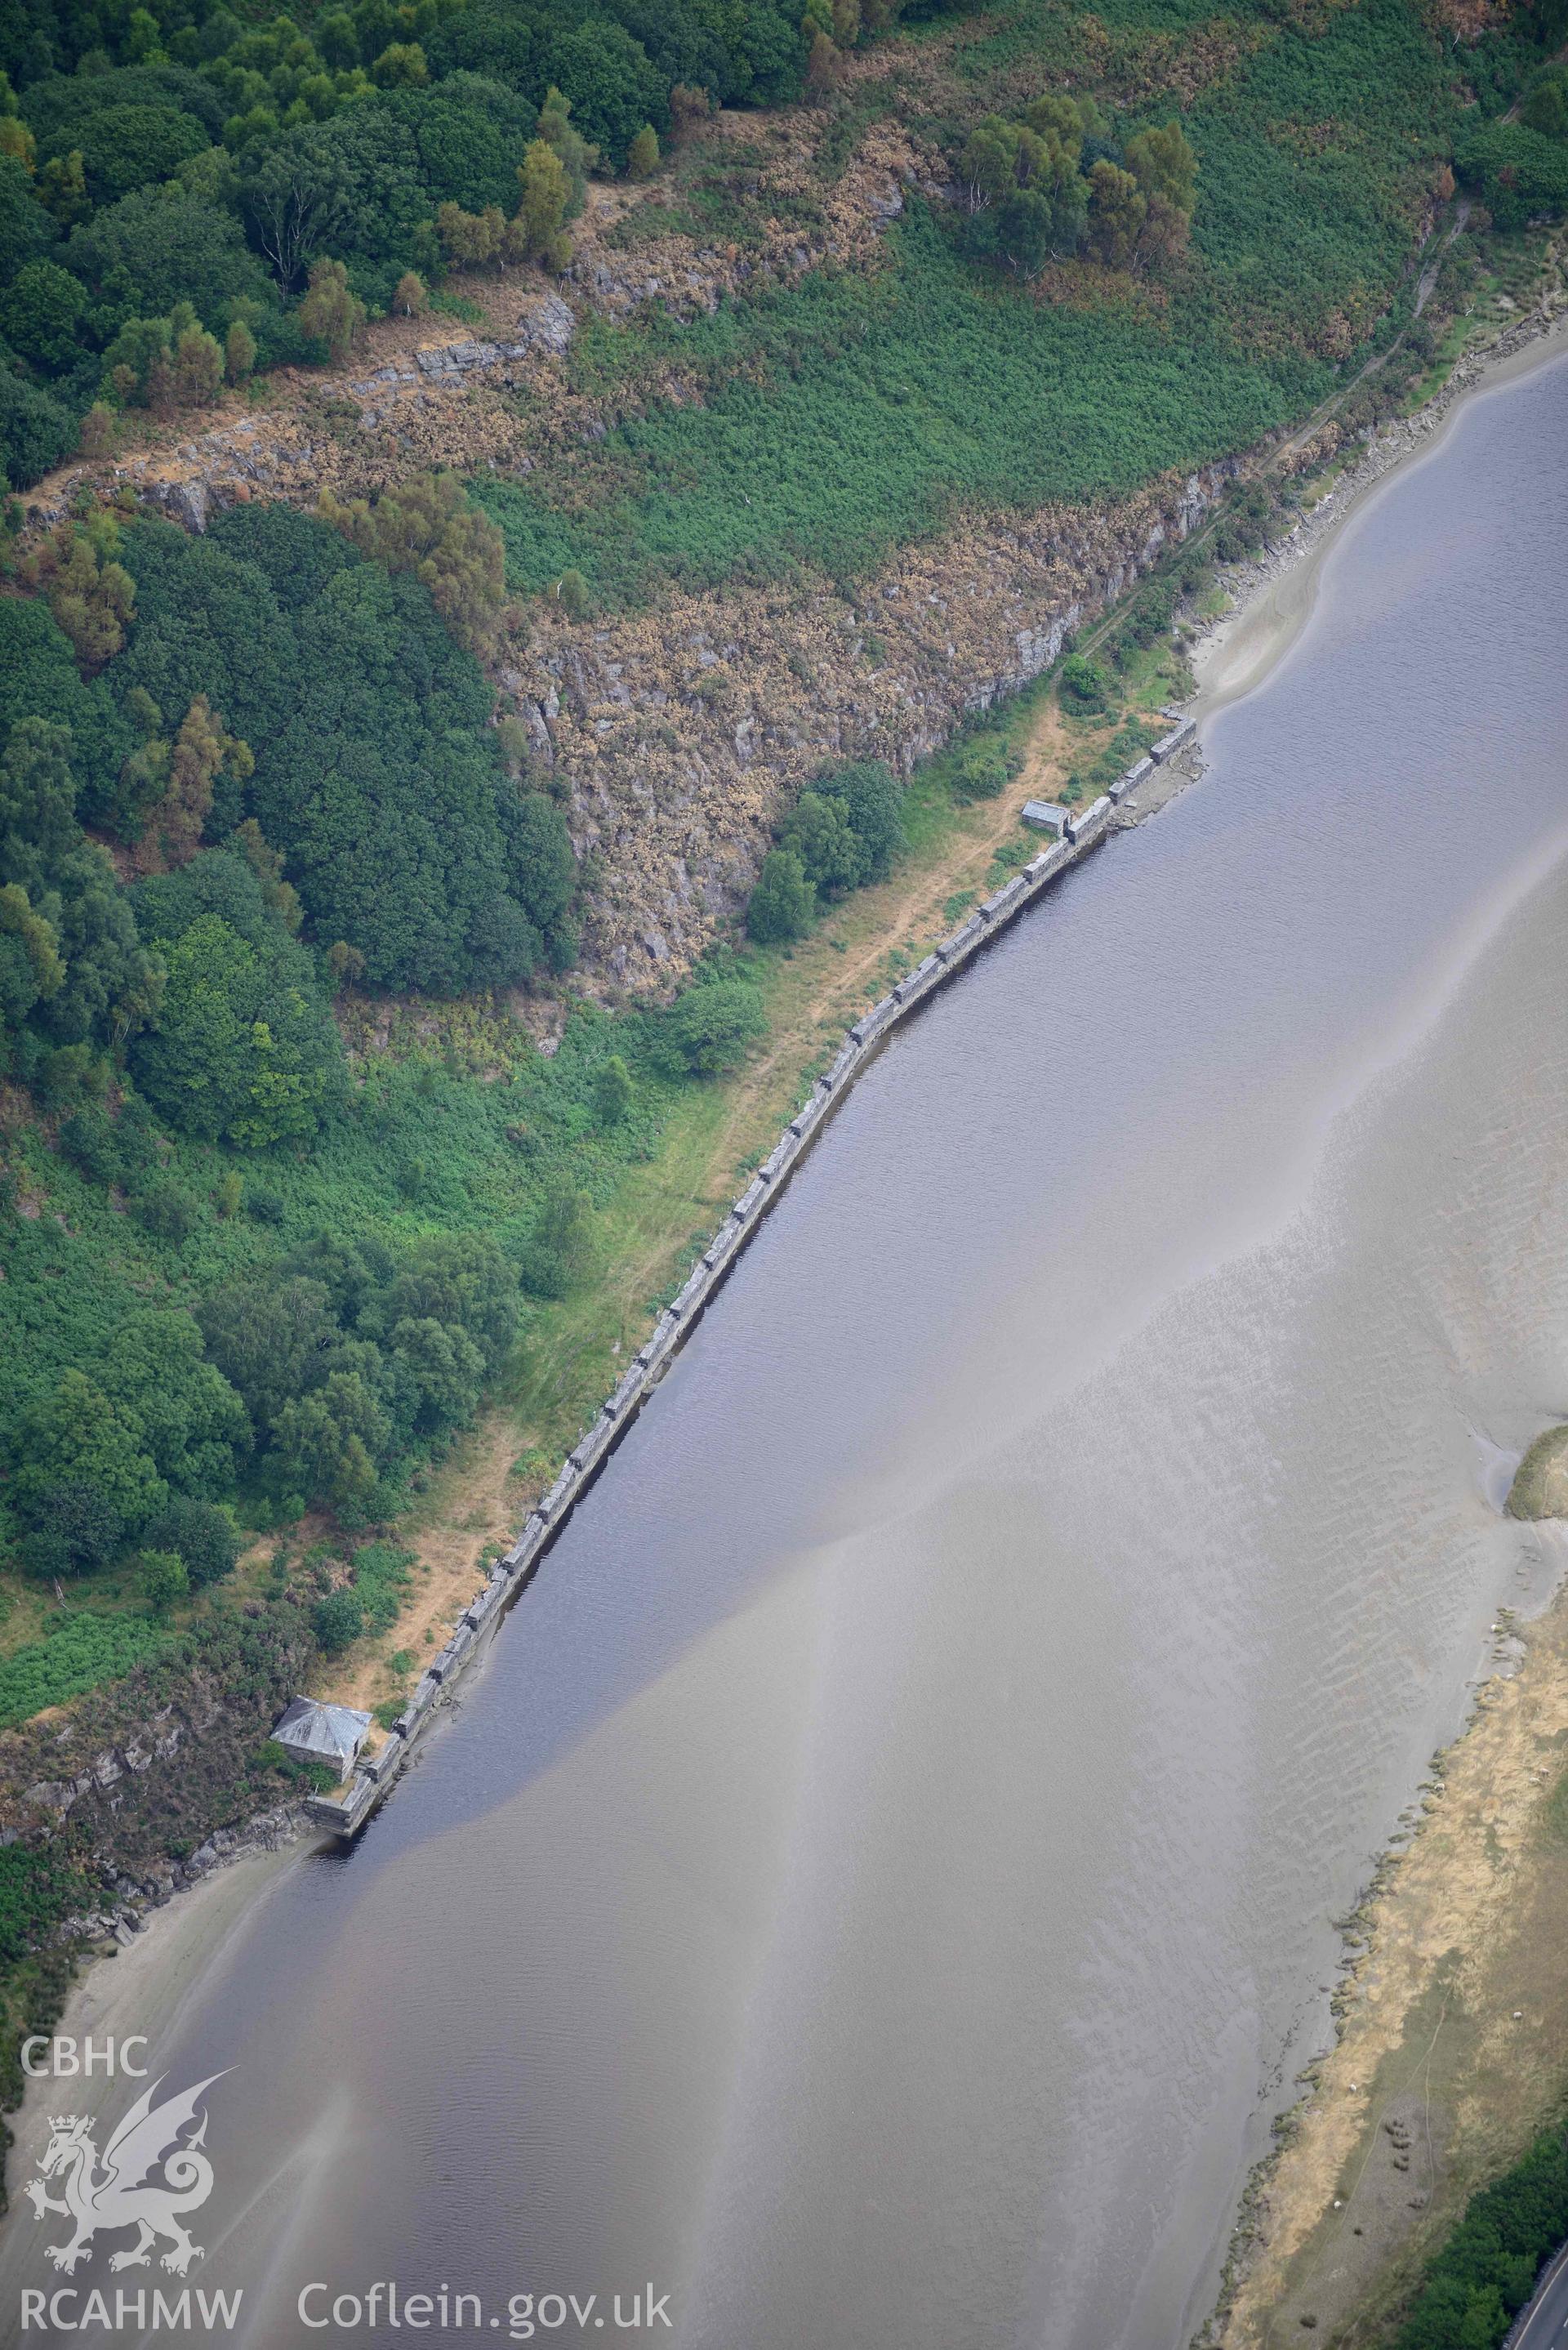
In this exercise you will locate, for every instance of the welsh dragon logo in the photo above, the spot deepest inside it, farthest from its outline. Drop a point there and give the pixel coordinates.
(119, 2194)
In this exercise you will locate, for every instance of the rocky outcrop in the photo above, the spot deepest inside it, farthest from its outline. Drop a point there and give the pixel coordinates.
(676, 736)
(544, 325)
(679, 737)
(422, 392)
(157, 1764)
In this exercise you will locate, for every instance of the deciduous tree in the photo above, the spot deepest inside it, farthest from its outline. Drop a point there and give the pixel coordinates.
(198, 367)
(577, 155)
(783, 903)
(91, 595)
(1118, 209)
(690, 109)
(546, 187)
(163, 1579)
(1163, 163)
(192, 1422)
(75, 1435)
(330, 311)
(427, 525)
(400, 66)
(43, 308)
(201, 751)
(612, 1091)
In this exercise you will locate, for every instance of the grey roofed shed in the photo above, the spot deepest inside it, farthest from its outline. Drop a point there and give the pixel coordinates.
(1046, 816)
(314, 1733)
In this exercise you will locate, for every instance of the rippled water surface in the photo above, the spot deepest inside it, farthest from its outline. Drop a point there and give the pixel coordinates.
(881, 1880)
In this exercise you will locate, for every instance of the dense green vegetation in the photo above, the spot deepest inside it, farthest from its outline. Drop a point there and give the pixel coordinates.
(841, 418)
(291, 1366)
(185, 197)
(368, 762)
(184, 194)
(186, 1333)
(1519, 171)
(285, 1188)
(1314, 156)
(36, 1889)
(864, 413)
(1037, 189)
(82, 1650)
(1480, 2280)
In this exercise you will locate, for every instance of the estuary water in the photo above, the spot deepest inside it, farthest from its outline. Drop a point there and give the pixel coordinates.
(878, 1889)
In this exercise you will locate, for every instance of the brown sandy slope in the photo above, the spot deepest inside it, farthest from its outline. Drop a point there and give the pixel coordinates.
(1454, 2050)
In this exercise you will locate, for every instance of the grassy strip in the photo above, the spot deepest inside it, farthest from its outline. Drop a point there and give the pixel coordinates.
(662, 1208)
(851, 416)
(1540, 1488)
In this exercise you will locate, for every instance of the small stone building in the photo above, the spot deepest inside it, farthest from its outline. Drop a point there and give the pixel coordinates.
(315, 1733)
(1046, 816)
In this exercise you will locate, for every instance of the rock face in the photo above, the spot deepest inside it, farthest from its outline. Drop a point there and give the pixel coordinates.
(679, 737)
(136, 1771)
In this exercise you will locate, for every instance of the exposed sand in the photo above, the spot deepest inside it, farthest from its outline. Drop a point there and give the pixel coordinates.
(1454, 2047)
(1275, 597)
(141, 1990)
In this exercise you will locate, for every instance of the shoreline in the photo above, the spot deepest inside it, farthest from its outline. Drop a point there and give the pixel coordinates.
(1274, 595)
(1289, 2261)
(184, 1933)
(1364, 2181)
(142, 1986)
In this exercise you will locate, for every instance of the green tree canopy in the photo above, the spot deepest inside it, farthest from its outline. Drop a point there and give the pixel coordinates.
(198, 1533)
(830, 854)
(242, 1048)
(26, 231)
(1163, 163)
(124, 148)
(271, 1338)
(613, 86)
(192, 1422)
(39, 679)
(471, 133)
(377, 775)
(164, 1578)
(77, 1436)
(107, 986)
(159, 247)
(327, 1444)
(874, 805)
(38, 432)
(783, 906)
(66, 102)
(712, 1026)
(43, 310)
(612, 1090)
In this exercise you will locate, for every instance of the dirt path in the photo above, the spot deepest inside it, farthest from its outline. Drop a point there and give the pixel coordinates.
(903, 912)
(472, 1506)
(477, 1498)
